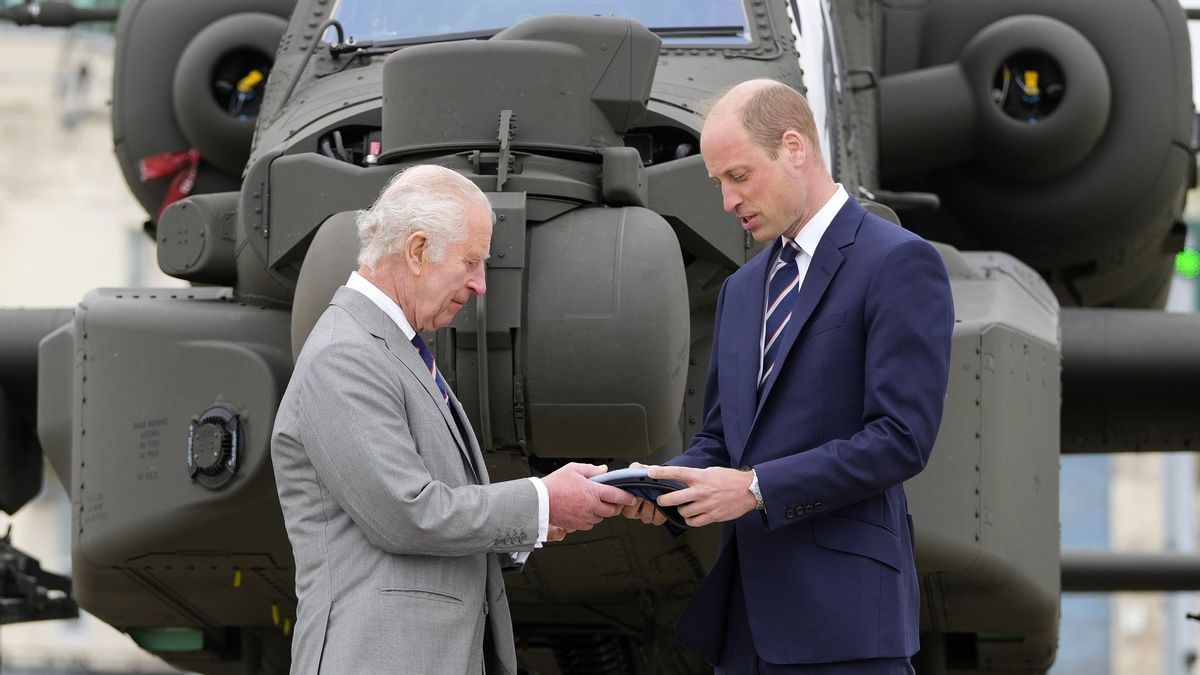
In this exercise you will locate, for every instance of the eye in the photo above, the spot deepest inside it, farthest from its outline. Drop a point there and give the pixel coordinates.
(739, 177)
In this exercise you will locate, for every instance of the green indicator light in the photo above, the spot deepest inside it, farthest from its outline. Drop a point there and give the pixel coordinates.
(1187, 263)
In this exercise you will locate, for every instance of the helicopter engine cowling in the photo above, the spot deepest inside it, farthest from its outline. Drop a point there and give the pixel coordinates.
(1045, 133)
(176, 87)
(243, 43)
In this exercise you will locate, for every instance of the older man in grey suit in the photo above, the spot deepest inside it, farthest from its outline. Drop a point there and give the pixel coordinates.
(397, 532)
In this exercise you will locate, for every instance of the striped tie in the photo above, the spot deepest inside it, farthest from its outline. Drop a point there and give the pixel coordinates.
(781, 297)
(427, 357)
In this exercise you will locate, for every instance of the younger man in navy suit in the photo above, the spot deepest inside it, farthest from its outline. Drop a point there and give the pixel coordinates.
(824, 394)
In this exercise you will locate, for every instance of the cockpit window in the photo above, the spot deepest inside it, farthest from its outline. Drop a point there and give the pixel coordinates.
(721, 22)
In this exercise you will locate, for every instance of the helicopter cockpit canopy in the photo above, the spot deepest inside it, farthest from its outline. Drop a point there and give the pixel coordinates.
(677, 22)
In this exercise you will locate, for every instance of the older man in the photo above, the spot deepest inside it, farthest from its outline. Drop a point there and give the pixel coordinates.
(830, 360)
(398, 535)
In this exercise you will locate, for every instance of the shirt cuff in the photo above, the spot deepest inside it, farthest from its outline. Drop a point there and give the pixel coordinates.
(543, 511)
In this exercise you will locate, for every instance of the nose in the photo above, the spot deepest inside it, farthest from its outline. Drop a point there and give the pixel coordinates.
(729, 197)
(477, 283)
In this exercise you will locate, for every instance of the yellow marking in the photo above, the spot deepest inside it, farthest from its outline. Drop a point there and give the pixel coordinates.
(275, 613)
(237, 578)
(1031, 82)
(250, 81)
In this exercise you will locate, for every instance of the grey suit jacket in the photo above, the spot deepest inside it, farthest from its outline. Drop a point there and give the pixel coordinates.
(395, 540)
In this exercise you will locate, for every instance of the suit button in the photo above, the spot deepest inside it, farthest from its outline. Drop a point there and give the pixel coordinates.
(808, 509)
(791, 513)
(818, 505)
(745, 468)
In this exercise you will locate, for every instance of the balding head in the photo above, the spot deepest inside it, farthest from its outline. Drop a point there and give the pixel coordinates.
(760, 146)
(767, 109)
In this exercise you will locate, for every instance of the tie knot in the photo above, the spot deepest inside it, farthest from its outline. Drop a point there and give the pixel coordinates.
(427, 357)
(788, 253)
(423, 350)
(419, 343)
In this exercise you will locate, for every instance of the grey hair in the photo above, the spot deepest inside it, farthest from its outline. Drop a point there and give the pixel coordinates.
(428, 198)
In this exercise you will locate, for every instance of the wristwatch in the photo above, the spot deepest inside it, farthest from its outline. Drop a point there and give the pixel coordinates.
(755, 491)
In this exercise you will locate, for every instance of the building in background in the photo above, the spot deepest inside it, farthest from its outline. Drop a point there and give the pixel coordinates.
(67, 225)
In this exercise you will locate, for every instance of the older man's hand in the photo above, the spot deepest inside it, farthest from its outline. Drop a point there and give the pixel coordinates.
(577, 503)
(643, 509)
(713, 495)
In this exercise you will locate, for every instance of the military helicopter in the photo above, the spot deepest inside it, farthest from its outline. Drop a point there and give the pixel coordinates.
(1044, 145)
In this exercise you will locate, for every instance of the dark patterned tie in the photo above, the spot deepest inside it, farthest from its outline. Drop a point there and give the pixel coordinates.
(427, 357)
(781, 297)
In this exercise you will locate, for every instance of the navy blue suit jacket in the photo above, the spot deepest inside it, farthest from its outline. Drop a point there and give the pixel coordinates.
(849, 414)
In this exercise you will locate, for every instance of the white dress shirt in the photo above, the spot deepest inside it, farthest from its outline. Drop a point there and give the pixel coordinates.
(359, 283)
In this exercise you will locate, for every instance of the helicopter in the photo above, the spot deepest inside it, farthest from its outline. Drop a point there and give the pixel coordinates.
(1044, 146)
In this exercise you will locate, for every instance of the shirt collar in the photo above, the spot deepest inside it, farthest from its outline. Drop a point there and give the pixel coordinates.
(389, 306)
(810, 235)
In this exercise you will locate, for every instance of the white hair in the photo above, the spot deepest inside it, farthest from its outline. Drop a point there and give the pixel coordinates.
(428, 198)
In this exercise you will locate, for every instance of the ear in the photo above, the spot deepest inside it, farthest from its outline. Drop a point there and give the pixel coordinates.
(416, 247)
(795, 147)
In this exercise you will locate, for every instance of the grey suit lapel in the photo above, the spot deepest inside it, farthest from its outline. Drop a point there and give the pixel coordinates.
(378, 324)
(481, 474)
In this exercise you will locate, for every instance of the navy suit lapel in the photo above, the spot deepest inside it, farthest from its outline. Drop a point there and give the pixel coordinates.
(821, 270)
(749, 302)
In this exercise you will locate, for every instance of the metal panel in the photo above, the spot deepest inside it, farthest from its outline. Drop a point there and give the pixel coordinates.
(589, 274)
(171, 354)
(986, 507)
(508, 235)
